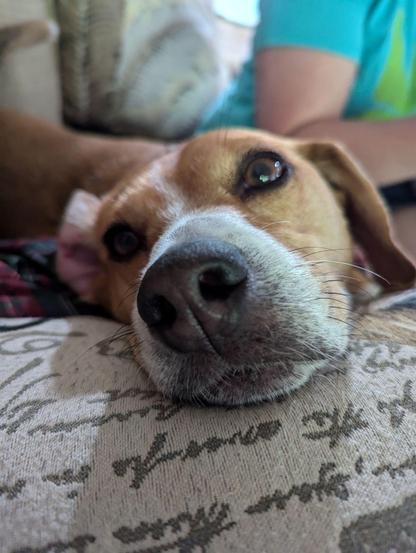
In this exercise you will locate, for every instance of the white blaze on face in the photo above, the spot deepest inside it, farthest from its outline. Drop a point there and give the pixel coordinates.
(285, 311)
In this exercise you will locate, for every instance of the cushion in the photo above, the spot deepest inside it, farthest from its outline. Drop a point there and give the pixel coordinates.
(140, 67)
(93, 459)
(29, 77)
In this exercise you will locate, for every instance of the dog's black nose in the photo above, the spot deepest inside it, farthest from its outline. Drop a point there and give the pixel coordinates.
(192, 297)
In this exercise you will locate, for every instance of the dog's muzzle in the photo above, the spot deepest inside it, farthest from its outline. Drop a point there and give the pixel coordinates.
(194, 295)
(226, 314)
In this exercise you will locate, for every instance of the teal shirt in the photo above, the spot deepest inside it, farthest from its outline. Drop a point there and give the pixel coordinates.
(378, 35)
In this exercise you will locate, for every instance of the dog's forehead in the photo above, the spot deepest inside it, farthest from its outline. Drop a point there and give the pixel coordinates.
(139, 196)
(209, 164)
(199, 173)
(211, 155)
(218, 149)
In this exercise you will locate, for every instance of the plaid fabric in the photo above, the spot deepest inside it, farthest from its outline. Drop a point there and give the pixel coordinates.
(29, 286)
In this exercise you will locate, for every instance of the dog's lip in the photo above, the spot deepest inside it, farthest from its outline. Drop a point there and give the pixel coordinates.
(240, 384)
(219, 395)
(249, 385)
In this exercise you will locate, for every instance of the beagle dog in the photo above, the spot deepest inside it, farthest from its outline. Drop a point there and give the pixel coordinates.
(232, 255)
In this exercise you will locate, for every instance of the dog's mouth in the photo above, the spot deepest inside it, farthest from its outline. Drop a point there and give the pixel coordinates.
(250, 385)
(251, 375)
(264, 349)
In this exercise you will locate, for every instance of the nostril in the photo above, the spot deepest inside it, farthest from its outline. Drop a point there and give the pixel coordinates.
(157, 311)
(217, 284)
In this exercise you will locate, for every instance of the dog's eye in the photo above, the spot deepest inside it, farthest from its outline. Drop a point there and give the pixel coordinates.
(122, 242)
(261, 171)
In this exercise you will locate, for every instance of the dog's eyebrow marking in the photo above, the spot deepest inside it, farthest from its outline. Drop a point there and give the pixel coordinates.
(175, 210)
(176, 204)
(173, 204)
(155, 174)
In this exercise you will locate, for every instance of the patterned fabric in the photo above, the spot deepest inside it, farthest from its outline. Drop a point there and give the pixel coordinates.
(94, 460)
(29, 286)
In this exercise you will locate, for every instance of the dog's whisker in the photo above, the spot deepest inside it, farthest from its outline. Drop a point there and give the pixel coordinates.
(126, 297)
(322, 251)
(365, 270)
(331, 300)
(332, 293)
(275, 223)
(342, 321)
(108, 339)
(346, 308)
(339, 279)
(317, 350)
(327, 248)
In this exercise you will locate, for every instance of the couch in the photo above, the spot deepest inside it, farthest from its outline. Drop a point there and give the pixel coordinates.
(94, 460)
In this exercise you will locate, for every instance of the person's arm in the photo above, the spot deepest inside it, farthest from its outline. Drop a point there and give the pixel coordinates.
(302, 93)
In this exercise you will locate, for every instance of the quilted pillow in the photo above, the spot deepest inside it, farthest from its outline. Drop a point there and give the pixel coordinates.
(29, 76)
(146, 67)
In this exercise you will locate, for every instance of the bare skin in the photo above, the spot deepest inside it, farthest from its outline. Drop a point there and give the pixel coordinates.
(304, 95)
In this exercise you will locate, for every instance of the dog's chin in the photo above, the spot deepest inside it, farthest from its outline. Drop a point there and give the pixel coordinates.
(240, 388)
(206, 379)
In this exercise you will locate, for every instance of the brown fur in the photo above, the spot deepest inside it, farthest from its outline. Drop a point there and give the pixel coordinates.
(40, 165)
(203, 175)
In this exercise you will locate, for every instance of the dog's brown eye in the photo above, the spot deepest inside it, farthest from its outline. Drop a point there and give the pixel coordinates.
(262, 170)
(122, 242)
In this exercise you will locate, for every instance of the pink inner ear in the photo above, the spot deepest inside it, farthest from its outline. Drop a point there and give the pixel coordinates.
(77, 264)
(77, 261)
(360, 257)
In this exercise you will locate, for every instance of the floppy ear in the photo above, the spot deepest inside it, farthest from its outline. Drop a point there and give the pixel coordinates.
(77, 262)
(368, 218)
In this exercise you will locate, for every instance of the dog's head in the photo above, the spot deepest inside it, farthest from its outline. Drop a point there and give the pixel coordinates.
(232, 257)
